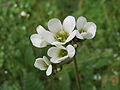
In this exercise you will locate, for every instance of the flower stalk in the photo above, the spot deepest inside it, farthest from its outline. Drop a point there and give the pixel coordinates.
(77, 73)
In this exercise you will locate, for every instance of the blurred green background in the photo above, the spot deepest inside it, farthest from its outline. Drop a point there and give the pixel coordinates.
(98, 59)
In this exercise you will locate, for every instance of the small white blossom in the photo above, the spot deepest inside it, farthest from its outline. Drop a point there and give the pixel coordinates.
(43, 64)
(85, 30)
(38, 40)
(60, 53)
(60, 34)
(23, 13)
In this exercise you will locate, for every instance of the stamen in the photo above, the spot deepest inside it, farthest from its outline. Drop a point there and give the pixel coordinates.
(61, 36)
(82, 30)
(62, 53)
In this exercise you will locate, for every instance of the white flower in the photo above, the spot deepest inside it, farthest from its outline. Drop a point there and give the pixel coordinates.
(60, 53)
(85, 30)
(38, 40)
(23, 13)
(43, 64)
(61, 34)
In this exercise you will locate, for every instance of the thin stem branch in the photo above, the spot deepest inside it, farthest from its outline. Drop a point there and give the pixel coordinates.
(77, 74)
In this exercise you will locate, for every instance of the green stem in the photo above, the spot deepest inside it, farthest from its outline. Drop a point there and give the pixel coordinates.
(77, 74)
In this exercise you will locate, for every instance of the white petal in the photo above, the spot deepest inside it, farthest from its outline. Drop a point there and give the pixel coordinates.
(91, 28)
(49, 37)
(54, 60)
(86, 35)
(60, 47)
(46, 60)
(53, 51)
(81, 21)
(58, 43)
(49, 70)
(40, 29)
(72, 35)
(78, 35)
(71, 51)
(54, 25)
(58, 60)
(40, 64)
(69, 24)
(38, 41)
(62, 58)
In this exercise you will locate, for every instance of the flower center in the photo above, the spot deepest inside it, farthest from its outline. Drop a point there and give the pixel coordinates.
(61, 36)
(44, 64)
(62, 53)
(82, 30)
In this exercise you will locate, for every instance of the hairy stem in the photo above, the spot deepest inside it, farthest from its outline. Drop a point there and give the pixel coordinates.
(77, 73)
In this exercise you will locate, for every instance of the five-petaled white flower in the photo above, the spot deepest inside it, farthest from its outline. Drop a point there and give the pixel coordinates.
(43, 64)
(60, 53)
(38, 40)
(85, 30)
(58, 33)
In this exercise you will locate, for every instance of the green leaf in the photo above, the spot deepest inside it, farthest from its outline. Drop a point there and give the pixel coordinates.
(32, 83)
(1, 59)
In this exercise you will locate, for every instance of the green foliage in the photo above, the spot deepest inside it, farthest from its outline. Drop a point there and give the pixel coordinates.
(98, 59)
(32, 83)
(1, 59)
(61, 82)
